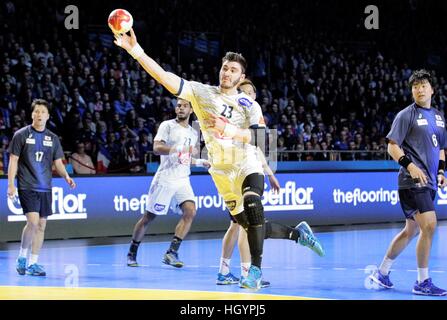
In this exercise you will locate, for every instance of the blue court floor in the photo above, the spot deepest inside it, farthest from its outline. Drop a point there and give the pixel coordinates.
(292, 269)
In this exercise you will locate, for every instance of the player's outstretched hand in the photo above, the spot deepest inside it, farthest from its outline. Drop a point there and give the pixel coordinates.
(125, 41)
(417, 174)
(206, 164)
(70, 182)
(274, 184)
(442, 181)
(12, 191)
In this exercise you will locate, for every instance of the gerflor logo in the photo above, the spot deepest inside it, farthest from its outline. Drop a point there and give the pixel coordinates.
(64, 207)
(289, 198)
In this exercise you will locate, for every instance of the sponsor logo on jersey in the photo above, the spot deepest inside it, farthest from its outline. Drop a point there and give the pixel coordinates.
(422, 122)
(64, 207)
(440, 123)
(245, 102)
(159, 207)
(48, 143)
(47, 138)
(30, 141)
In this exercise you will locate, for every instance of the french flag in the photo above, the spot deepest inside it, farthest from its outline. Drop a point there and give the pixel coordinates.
(103, 160)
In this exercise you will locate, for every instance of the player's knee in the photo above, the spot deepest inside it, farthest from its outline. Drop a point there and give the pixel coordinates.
(254, 209)
(429, 228)
(189, 210)
(148, 217)
(41, 227)
(32, 225)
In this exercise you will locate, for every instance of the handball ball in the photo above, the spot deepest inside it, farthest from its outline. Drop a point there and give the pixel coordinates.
(120, 21)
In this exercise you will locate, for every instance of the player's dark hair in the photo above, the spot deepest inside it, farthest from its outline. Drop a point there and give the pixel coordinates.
(419, 76)
(247, 81)
(40, 102)
(236, 57)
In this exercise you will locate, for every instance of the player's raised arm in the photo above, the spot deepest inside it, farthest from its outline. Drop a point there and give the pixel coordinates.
(167, 79)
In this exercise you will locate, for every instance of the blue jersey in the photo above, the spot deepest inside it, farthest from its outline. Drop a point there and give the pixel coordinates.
(36, 151)
(420, 132)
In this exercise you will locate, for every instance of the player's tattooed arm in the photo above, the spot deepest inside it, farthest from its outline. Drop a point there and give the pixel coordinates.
(168, 80)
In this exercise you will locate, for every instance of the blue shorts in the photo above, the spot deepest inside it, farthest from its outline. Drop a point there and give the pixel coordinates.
(33, 201)
(416, 200)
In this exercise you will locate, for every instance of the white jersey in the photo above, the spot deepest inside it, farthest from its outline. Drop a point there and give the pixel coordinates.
(239, 110)
(174, 134)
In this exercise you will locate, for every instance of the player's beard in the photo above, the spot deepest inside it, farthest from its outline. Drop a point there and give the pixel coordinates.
(233, 84)
(182, 118)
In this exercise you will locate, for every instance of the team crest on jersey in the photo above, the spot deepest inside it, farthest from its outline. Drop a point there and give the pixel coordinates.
(231, 205)
(245, 102)
(159, 207)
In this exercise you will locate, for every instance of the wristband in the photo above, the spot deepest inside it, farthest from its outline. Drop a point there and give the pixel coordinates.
(404, 161)
(136, 52)
(230, 130)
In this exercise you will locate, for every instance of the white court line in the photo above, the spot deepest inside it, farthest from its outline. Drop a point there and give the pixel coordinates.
(315, 268)
(290, 268)
(339, 269)
(117, 265)
(94, 264)
(412, 270)
(437, 271)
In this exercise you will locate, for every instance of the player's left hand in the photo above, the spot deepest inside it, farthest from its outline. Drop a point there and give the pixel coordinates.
(215, 123)
(70, 182)
(442, 182)
(274, 184)
(206, 164)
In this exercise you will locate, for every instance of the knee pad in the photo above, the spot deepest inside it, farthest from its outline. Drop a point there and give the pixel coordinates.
(241, 219)
(254, 210)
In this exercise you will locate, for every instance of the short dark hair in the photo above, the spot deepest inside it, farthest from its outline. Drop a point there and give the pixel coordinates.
(248, 81)
(419, 76)
(40, 102)
(236, 57)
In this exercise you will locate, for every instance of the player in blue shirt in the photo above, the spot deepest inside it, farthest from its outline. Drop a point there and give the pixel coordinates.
(33, 150)
(417, 140)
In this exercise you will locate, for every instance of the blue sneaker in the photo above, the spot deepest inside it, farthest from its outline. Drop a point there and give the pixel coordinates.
(21, 265)
(36, 270)
(381, 280)
(308, 239)
(226, 279)
(427, 288)
(254, 278)
(264, 283)
(171, 258)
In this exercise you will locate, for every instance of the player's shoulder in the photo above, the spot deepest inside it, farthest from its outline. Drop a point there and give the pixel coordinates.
(50, 133)
(22, 131)
(407, 112)
(244, 100)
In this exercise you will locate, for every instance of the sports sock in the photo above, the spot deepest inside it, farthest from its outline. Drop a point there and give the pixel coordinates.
(33, 259)
(224, 266)
(134, 247)
(244, 269)
(385, 266)
(175, 244)
(275, 230)
(422, 274)
(23, 252)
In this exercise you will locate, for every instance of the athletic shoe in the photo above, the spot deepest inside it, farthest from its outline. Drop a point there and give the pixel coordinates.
(226, 279)
(171, 258)
(254, 278)
(427, 288)
(381, 280)
(264, 283)
(308, 239)
(21, 265)
(36, 270)
(132, 260)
